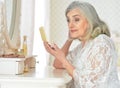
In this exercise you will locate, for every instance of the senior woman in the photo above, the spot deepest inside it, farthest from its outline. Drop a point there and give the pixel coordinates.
(92, 64)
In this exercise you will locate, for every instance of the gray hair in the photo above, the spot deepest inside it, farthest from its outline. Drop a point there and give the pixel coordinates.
(96, 26)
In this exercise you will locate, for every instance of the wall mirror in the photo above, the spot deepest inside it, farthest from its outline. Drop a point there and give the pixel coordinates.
(12, 11)
(10, 14)
(12, 17)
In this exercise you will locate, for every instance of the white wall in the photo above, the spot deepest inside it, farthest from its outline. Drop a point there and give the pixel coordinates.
(41, 19)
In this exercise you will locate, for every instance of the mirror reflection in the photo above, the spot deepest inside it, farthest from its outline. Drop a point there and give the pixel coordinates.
(9, 10)
(10, 6)
(9, 33)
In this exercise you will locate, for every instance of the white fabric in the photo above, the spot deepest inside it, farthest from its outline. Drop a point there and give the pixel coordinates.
(95, 64)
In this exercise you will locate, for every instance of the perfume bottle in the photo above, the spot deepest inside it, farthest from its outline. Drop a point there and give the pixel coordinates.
(25, 45)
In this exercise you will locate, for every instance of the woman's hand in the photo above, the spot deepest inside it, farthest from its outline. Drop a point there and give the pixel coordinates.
(69, 37)
(55, 51)
(59, 55)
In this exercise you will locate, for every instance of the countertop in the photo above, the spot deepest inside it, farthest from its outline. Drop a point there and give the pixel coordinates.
(46, 77)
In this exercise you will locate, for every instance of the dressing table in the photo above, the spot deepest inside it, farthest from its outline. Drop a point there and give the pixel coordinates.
(47, 77)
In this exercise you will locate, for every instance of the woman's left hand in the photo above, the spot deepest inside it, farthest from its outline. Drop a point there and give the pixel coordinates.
(55, 51)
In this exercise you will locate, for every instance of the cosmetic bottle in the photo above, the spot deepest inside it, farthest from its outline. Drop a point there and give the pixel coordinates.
(25, 45)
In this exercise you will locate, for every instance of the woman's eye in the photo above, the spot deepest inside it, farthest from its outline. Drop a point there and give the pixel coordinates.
(68, 20)
(77, 19)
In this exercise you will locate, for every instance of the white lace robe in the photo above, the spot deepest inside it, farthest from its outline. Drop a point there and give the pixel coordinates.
(95, 64)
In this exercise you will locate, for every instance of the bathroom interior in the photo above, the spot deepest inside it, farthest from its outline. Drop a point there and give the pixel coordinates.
(29, 65)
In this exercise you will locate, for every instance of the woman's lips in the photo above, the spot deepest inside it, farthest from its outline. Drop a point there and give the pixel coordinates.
(73, 31)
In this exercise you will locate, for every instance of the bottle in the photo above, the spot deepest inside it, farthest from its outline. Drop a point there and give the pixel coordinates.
(25, 45)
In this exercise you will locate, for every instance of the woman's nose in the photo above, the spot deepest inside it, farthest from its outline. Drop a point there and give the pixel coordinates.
(71, 24)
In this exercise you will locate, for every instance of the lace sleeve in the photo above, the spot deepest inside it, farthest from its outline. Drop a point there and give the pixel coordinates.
(96, 66)
(71, 55)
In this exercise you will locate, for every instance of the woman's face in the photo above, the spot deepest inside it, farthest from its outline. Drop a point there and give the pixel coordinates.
(77, 24)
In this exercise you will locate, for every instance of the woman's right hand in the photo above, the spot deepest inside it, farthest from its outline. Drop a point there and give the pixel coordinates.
(69, 37)
(55, 51)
